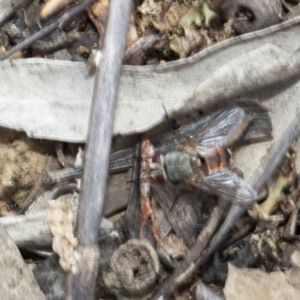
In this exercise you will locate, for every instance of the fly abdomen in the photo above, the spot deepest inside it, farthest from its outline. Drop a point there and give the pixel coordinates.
(217, 158)
(225, 156)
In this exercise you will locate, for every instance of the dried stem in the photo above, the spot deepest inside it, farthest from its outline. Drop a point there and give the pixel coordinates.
(82, 279)
(47, 30)
(142, 44)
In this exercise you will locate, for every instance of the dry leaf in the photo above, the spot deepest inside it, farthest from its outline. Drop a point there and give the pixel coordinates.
(249, 284)
(215, 76)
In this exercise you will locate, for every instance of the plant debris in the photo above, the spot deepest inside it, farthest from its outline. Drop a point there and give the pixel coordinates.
(158, 240)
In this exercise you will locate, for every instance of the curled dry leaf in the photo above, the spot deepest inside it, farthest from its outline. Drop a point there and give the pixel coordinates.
(70, 108)
(98, 14)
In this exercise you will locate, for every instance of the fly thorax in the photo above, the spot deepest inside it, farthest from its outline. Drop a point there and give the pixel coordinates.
(178, 165)
(157, 169)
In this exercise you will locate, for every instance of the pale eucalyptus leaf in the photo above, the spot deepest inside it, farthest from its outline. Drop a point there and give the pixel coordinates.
(51, 99)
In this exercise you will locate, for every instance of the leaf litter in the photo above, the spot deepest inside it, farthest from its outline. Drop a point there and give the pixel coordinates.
(190, 27)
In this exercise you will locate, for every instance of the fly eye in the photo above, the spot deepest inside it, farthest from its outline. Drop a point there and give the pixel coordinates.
(195, 162)
(157, 159)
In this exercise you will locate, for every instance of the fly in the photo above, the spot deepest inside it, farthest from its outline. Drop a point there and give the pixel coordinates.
(203, 159)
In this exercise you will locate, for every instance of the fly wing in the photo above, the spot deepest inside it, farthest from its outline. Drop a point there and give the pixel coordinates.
(220, 128)
(224, 183)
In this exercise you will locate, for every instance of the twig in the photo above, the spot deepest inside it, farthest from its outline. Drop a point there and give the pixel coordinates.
(63, 175)
(193, 260)
(47, 30)
(32, 232)
(38, 188)
(82, 278)
(132, 214)
(142, 44)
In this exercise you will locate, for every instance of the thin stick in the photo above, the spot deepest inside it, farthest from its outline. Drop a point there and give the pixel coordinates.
(82, 278)
(132, 214)
(47, 30)
(142, 44)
